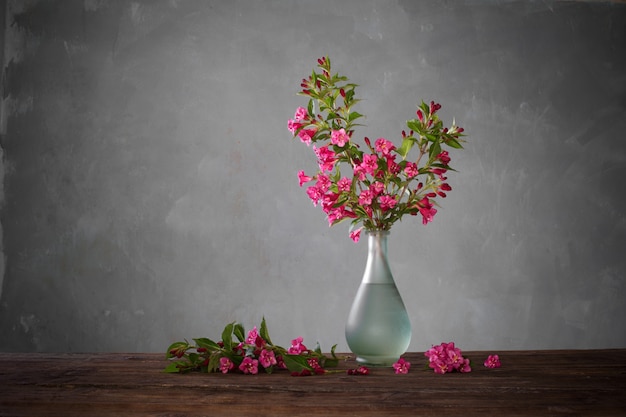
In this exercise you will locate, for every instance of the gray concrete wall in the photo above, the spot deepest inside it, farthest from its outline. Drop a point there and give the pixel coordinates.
(150, 189)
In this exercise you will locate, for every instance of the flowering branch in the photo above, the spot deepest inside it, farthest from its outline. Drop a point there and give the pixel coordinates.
(380, 189)
(248, 355)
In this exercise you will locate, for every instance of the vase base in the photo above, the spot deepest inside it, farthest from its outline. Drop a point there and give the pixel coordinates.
(375, 360)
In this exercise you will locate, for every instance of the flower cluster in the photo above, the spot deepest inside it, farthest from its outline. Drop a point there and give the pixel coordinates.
(249, 354)
(447, 358)
(383, 183)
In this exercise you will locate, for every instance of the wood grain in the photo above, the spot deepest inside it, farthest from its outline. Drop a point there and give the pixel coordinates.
(572, 382)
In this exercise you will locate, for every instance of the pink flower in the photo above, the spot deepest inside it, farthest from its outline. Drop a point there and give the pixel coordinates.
(301, 114)
(323, 182)
(344, 184)
(252, 335)
(267, 358)
(402, 366)
(365, 198)
(355, 235)
(493, 361)
(370, 164)
(339, 137)
(426, 210)
(387, 202)
(226, 365)
(249, 366)
(302, 178)
(297, 347)
(314, 194)
(377, 188)
(384, 146)
(326, 158)
(293, 125)
(447, 358)
(411, 169)
(306, 135)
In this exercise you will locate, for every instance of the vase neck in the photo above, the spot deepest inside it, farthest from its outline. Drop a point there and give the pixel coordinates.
(377, 270)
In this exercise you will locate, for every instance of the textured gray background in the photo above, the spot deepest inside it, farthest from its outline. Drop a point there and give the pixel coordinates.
(150, 190)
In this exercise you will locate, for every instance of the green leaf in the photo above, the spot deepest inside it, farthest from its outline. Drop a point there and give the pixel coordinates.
(203, 342)
(239, 332)
(296, 363)
(415, 125)
(453, 143)
(264, 333)
(172, 368)
(227, 336)
(354, 115)
(406, 146)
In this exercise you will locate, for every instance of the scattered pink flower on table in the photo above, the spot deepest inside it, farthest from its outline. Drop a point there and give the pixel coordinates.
(446, 357)
(226, 365)
(402, 366)
(360, 370)
(493, 361)
(249, 366)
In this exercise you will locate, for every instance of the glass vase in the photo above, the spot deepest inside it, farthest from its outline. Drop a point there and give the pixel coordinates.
(378, 330)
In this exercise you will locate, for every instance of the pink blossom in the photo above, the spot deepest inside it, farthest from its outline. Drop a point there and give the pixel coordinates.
(326, 158)
(355, 235)
(377, 188)
(293, 125)
(302, 178)
(226, 364)
(387, 202)
(301, 114)
(392, 166)
(344, 184)
(402, 366)
(328, 201)
(426, 210)
(411, 169)
(252, 335)
(249, 366)
(365, 198)
(370, 164)
(447, 358)
(384, 146)
(339, 213)
(339, 137)
(267, 358)
(493, 361)
(465, 366)
(323, 182)
(296, 346)
(314, 194)
(306, 135)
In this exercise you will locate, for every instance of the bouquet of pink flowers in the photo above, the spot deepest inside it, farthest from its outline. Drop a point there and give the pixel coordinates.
(382, 183)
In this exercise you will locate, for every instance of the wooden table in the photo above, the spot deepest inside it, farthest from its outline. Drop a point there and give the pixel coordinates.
(542, 383)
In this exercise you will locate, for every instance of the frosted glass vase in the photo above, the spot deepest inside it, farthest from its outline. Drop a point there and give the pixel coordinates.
(378, 330)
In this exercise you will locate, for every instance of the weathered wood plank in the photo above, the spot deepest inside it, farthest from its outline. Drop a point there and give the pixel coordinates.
(589, 382)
